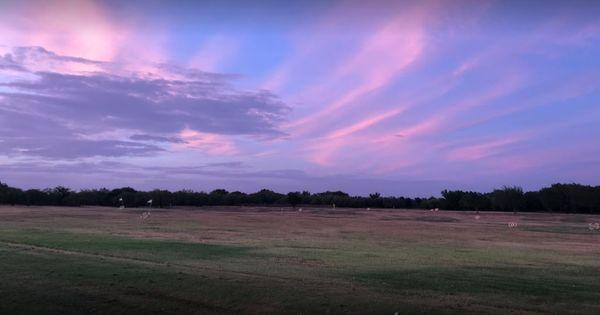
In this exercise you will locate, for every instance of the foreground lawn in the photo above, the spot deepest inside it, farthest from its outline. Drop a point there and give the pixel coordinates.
(253, 260)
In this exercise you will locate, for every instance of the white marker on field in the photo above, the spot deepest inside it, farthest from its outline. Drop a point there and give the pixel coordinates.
(145, 215)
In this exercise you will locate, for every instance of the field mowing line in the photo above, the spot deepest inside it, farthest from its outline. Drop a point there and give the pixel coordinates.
(189, 269)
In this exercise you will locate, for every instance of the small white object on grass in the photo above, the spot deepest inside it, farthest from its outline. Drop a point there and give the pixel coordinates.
(368, 209)
(477, 217)
(512, 224)
(594, 226)
(299, 209)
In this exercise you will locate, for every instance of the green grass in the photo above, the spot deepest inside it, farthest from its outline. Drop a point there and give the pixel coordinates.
(236, 262)
(559, 229)
(151, 249)
(69, 284)
(64, 284)
(578, 285)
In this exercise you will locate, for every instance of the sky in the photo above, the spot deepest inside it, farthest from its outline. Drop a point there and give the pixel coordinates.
(397, 97)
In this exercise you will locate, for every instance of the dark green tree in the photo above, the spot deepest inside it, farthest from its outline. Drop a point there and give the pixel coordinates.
(508, 199)
(452, 199)
(294, 198)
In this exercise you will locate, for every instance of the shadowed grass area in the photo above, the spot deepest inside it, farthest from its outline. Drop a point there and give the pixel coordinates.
(527, 290)
(574, 284)
(51, 283)
(71, 284)
(123, 246)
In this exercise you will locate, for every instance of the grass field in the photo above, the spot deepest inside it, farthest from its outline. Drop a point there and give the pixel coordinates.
(319, 261)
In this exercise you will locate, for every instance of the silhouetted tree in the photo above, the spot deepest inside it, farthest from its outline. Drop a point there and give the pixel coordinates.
(452, 199)
(217, 196)
(474, 201)
(236, 198)
(265, 196)
(430, 203)
(558, 197)
(294, 198)
(532, 201)
(375, 195)
(508, 199)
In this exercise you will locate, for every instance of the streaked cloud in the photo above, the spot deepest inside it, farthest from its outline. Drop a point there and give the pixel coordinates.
(412, 95)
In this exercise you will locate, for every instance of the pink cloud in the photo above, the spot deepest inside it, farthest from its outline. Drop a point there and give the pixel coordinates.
(380, 58)
(209, 143)
(365, 123)
(413, 137)
(75, 28)
(481, 150)
(323, 150)
(305, 48)
(81, 28)
(326, 150)
(449, 118)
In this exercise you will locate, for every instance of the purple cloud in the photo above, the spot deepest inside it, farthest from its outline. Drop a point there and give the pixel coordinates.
(152, 138)
(393, 96)
(59, 115)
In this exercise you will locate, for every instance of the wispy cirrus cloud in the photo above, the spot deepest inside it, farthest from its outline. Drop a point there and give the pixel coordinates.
(351, 92)
(395, 46)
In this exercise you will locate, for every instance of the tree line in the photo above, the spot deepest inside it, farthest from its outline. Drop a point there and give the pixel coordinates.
(569, 198)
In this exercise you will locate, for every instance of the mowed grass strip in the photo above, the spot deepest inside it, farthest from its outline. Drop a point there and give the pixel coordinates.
(519, 280)
(52, 283)
(45, 282)
(118, 246)
(520, 286)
